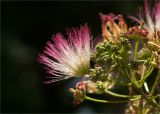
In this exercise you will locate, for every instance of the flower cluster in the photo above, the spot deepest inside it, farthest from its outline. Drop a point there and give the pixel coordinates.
(126, 57)
(66, 58)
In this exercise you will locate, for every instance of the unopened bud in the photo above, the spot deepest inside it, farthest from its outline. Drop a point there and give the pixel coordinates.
(72, 90)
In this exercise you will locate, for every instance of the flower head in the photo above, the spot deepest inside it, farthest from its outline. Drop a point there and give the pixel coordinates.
(136, 31)
(70, 57)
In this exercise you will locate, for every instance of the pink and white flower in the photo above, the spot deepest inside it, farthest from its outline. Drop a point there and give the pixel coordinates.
(150, 19)
(66, 58)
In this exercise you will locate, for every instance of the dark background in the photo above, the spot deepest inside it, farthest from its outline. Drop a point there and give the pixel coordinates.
(26, 26)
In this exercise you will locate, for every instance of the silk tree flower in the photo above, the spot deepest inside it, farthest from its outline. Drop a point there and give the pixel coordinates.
(110, 29)
(150, 20)
(66, 58)
(153, 24)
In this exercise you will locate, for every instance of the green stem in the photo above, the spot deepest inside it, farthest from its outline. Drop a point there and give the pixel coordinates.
(118, 82)
(95, 100)
(150, 70)
(105, 101)
(154, 101)
(140, 61)
(155, 83)
(154, 97)
(120, 95)
(136, 48)
(134, 82)
(127, 73)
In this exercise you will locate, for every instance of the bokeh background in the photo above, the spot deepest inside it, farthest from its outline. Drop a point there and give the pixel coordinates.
(26, 26)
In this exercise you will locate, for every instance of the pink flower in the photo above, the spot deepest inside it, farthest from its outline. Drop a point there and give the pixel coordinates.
(66, 58)
(151, 20)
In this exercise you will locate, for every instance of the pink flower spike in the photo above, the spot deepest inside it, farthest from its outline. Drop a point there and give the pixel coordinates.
(66, 58)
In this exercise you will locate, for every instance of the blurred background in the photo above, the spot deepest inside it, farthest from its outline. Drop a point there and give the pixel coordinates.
(26, 27)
